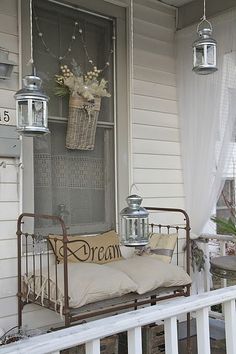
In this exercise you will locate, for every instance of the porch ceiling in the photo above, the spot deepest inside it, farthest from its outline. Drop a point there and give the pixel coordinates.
(176, 3)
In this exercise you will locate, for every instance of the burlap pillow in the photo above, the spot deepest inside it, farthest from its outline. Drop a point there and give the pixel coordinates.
(99, 249)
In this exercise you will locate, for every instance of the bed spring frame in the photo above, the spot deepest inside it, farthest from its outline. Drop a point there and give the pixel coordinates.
(27, 262)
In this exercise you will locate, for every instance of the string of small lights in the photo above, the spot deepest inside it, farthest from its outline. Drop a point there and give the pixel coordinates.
(77, 32)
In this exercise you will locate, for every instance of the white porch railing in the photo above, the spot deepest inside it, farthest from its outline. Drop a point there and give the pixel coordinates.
(91, 333)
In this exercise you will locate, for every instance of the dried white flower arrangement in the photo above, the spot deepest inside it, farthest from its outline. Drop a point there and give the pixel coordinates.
(74, 82)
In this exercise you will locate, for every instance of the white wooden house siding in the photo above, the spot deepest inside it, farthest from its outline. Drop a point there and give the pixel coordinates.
(157, 170)
(156, 152)
(9, 186)
(155, 137)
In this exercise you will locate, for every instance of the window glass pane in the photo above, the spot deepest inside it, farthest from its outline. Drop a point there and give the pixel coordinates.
(199, 55)
(210, 55)
(227, 196)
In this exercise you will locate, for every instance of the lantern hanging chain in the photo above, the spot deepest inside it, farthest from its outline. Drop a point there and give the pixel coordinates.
(204, 11)
(69, 49)
(133, 185)
(31, 61)
(203, 18)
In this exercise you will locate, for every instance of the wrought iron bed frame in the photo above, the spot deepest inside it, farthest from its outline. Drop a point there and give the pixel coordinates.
(71, 315)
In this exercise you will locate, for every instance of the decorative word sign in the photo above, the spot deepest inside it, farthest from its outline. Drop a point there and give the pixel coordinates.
(84, 252)
(7, 116)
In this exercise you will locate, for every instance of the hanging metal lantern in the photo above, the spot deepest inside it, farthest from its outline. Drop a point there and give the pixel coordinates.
(32, 108)
(134, 223)
(204, 51)
(204, 48)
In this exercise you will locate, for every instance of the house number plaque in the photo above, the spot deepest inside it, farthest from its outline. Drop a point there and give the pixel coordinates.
(7, 116)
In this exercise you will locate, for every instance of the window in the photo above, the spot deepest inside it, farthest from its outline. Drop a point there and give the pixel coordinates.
(77, 185)
(225, 208)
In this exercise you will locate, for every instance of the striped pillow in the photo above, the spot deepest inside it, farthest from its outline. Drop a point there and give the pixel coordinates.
(162, 246)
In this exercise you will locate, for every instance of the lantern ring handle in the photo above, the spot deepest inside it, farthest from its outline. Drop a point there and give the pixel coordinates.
(202, 21)
(133, 185)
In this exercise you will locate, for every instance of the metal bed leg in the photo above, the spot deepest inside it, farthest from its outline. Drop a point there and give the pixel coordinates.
(20, 308)
(67, 320)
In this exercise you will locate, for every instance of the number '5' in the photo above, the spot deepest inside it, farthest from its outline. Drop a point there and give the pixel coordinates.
(6, 116)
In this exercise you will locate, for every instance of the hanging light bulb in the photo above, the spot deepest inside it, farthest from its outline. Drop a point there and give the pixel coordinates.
(204, 48)
(31, 101)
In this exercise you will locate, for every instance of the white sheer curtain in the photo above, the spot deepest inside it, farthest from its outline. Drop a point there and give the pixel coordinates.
(207, 113)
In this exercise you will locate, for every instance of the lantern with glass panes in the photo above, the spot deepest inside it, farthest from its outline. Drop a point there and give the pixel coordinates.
(31, 101)
(32, 108)
(204, 48)
(134, 223)
(204, 51)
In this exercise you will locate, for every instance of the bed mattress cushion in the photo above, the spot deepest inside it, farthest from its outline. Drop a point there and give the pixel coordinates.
(90, 282)
(149, 273)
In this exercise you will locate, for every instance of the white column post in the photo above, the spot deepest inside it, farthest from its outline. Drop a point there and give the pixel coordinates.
(93, 347)
(171, 337)
(135, 341)
(230, 326)
(203, 332)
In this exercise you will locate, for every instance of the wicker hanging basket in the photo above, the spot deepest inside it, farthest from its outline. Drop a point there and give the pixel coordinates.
(82, 123)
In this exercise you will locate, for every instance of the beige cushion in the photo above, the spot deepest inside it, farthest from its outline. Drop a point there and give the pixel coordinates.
(88, 282)
(98, 249)
(162, 246)
(95, 282)
(150, 273)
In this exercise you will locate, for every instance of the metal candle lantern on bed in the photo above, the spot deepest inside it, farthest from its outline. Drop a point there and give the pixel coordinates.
(134, 223)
